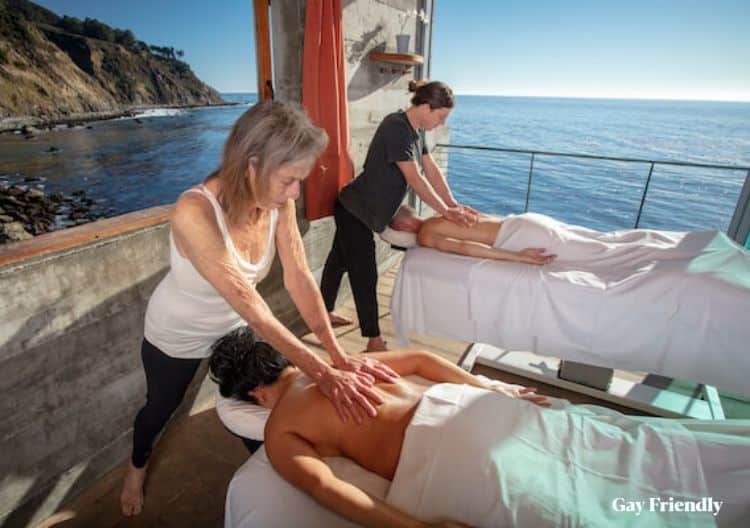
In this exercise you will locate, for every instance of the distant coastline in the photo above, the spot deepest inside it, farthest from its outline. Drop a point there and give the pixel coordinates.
(26, 123)
(65, 71)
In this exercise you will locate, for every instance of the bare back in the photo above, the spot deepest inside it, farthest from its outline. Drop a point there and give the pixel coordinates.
(374, 444)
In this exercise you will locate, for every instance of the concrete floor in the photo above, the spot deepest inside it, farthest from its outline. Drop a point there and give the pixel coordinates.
(195, 459)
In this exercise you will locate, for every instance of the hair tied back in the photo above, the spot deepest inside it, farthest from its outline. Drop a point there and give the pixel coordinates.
(415, 85)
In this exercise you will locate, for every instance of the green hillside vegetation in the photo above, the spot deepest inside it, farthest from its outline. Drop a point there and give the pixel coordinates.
(54, 67)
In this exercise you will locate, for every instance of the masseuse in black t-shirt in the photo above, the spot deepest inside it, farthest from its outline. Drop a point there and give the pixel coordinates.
(369, 202)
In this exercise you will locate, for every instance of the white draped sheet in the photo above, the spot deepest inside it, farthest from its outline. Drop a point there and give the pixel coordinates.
(670, 303)
(487, 460)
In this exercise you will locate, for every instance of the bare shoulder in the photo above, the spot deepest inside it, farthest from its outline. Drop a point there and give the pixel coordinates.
(291, 411)
(191, 206)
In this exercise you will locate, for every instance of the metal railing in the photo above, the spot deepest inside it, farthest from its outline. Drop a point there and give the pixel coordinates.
(741, 216)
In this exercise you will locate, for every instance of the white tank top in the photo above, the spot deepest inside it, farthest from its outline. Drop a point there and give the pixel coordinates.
(185, 314)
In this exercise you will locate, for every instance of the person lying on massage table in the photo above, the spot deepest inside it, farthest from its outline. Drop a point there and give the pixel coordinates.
(533, 238)
(476, 240)
(464, 452)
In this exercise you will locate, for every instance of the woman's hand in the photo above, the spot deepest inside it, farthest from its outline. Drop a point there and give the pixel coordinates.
(367, 365)
(469, 210)
(524, 393)
(350, 392)
(534, 256)
(459, 216)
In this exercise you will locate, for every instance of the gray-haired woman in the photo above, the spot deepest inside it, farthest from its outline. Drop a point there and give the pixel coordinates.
(224, 233)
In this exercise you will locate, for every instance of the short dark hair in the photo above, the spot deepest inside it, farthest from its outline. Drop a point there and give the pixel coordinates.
(240, 362)
(436, 94)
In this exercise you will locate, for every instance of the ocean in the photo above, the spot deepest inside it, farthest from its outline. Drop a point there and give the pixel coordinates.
(130, 164)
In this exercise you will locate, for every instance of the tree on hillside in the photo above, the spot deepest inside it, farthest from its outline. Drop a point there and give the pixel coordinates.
(125, 38)
(166, 52)
(180, 53)
(71, 25)
(98, 30)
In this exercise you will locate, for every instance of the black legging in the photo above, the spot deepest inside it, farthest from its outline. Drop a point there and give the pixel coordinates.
(353, 251)
(167, 379)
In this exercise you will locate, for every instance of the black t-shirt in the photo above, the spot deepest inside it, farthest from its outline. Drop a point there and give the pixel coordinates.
(375, 195)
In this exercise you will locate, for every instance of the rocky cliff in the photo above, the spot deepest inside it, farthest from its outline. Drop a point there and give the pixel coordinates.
(52, 68)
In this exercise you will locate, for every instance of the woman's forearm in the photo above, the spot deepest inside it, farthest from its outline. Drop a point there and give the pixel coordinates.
(437, 179)
(306, 296)
(254, 310)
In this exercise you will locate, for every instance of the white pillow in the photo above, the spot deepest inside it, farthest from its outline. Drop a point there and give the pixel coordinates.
(404, 239)
(242, 418)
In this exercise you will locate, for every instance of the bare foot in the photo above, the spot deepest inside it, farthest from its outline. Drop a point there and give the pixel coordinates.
(376, 344)
(131, 498)
(338, 320)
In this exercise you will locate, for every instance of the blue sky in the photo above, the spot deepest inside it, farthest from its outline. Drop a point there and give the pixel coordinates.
(660, 49)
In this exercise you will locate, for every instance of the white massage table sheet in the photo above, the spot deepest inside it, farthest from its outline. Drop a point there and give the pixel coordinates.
(258, 497)
(669, 303)
(445, 463)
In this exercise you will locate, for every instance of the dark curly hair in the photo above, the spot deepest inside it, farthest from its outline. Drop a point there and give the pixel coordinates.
(240, 362)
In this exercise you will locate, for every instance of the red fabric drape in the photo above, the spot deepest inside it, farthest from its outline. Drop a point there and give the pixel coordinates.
(324, 98)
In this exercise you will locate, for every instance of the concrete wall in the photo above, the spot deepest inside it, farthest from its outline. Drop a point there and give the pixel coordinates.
(71, 313)
(71, 325)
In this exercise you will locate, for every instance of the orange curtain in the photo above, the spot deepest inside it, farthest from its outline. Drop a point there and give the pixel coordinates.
(324, 98)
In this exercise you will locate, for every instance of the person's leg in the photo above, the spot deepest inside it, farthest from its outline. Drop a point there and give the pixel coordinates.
(330, 282)
(167, 379)
(357, 249)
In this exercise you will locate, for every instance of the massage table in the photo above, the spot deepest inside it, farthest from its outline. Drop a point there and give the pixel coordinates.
(258, 497)
(668, 303)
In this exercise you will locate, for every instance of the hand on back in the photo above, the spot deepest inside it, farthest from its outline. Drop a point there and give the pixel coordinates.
(461, 215)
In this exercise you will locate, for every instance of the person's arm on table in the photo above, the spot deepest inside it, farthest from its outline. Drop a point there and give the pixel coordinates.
(298, 462)
(434, 368)
(199, 239)
(477, 249)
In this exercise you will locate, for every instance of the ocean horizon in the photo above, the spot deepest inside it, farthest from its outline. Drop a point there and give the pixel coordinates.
(130, 164)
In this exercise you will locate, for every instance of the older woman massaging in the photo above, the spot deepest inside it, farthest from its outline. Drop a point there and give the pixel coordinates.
(224, 233)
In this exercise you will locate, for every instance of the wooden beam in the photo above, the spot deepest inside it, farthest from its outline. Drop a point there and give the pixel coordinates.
(263, 49)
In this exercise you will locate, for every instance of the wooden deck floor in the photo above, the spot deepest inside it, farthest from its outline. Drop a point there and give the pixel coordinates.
(194, 461)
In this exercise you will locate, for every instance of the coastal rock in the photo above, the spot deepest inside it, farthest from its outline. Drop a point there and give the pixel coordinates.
(35, 194)
(14, 232)
(36, 213)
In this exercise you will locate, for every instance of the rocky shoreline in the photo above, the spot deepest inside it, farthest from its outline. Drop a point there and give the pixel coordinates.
(28, 125)
(27, 211)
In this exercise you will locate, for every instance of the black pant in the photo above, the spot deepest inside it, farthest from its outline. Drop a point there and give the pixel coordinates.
(353, 252)
(167, 379)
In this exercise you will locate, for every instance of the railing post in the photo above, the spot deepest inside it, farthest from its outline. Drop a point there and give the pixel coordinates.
(739, 227)
(528, 186)
(643, 197)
